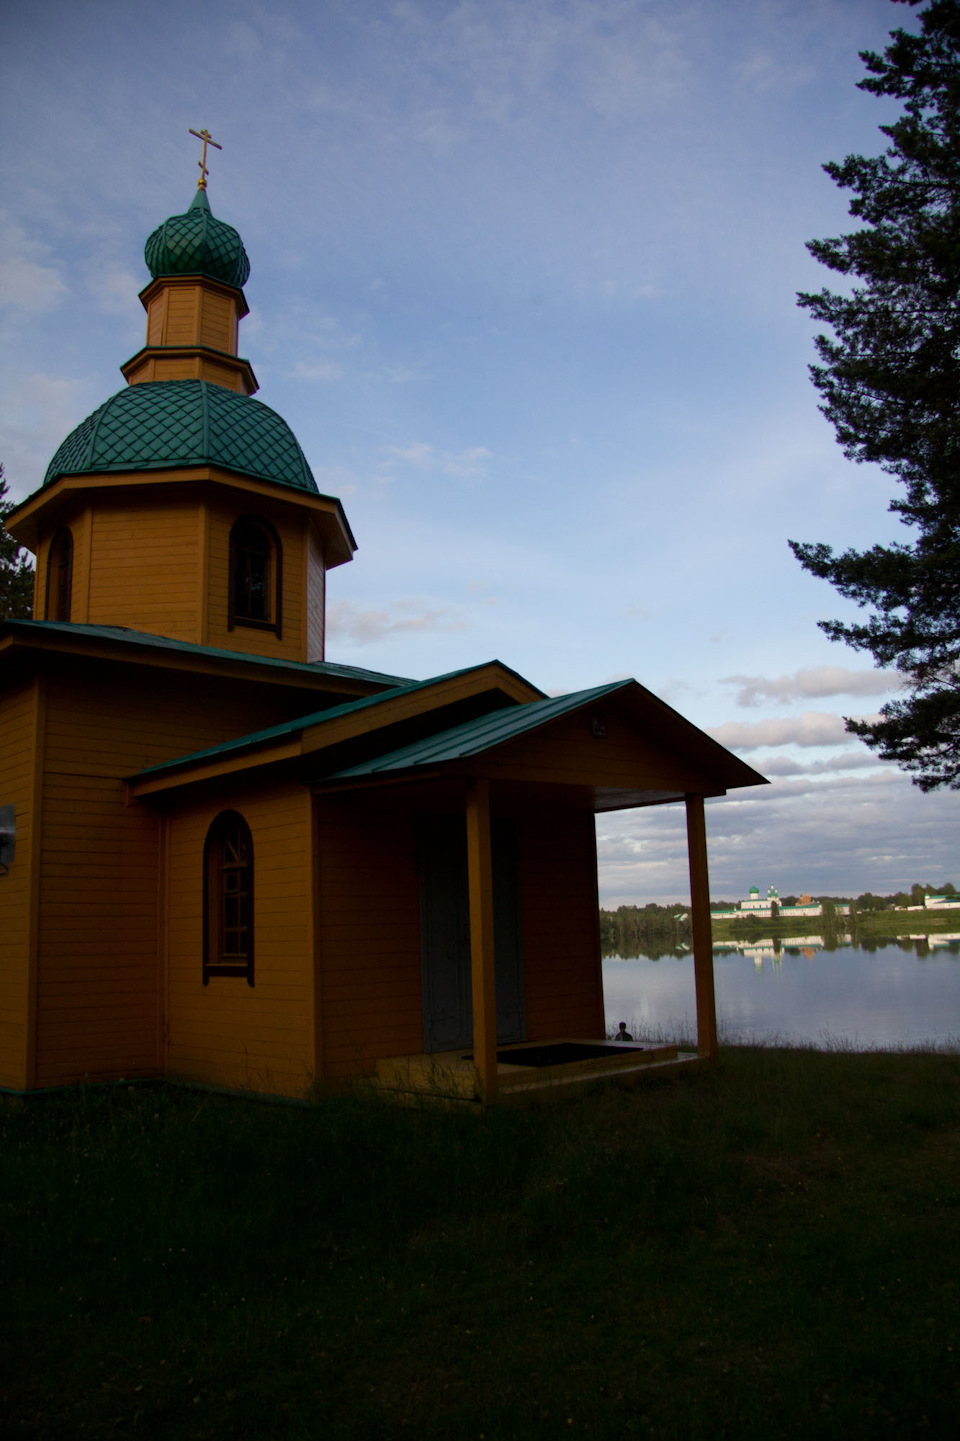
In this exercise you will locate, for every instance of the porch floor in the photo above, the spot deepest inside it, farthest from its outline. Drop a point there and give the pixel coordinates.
(450, 1076)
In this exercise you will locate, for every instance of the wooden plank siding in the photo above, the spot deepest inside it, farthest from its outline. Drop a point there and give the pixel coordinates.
(189, 312)
(561, 925)
(40, 577)
(181, 320)
(82, 529)
(144, 563)
(99, 936)
(185, 367)
(369, 930)
(217, 327)
(160, 563)
(368, 935)
(20, 712)
(97, 953)
(568, 753)
(155, 313)
(315, 587)
(227, 1033)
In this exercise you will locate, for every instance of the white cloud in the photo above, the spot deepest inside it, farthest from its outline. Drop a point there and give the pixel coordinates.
(811, 683)
(813, 728)
(317, 370)
(350, 622)
(36, 413)
(787, 766)
(836, 836)
(419, 454)
(28, 281)
(465, 462)
(468, 462)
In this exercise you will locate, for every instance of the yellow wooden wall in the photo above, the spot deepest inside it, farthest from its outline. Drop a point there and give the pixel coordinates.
(21, 730)
(145, 565)
(199, 365)
(227, 1033)
(155, 314)
(190, 313)
(159, 561)
(561, 935)
(315, 597)
(369, 935)
(568, 752)
(369, 930)
(98, 938)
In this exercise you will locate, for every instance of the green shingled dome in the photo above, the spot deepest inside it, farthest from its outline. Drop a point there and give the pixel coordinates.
(197, 243)
(165, 423)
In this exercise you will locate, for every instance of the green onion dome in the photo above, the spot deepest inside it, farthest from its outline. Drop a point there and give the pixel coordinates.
(163, 424)
(197, 243)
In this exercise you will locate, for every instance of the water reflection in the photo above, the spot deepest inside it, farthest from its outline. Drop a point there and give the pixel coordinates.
(819, 989)
(774, 947)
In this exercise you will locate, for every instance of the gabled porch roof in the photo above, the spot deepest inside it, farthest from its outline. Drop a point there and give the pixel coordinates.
(342, 733)
(618, 742)
(629, 749)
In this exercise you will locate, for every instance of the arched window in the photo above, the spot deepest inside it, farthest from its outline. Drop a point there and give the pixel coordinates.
(256, 566)
(60, 576)
(228, 899)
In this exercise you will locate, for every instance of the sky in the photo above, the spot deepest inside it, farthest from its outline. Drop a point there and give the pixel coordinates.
(524, 280)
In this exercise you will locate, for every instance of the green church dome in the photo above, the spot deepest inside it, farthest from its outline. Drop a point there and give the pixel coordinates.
(160, 424)
(197, 243)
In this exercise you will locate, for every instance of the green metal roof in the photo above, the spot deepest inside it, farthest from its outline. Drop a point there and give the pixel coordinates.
(297, 726)
(469, 739)
(126, 636)
(197, 243)
(165, 423)
(287, 729)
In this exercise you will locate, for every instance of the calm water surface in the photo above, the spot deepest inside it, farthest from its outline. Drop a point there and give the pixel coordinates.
(900, 994)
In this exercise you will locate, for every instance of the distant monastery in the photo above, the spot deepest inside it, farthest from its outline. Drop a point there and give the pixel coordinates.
(762, 906)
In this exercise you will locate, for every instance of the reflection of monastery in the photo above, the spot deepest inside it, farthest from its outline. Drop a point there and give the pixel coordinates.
(229, 860)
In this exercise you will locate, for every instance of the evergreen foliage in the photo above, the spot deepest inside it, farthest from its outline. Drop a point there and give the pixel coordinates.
(653, 931)
(890, 383)
(16, 572)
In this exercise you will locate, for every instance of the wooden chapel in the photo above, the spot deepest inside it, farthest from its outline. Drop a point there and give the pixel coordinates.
(229, 861)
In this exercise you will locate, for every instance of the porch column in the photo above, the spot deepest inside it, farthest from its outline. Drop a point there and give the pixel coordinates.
(700, 925)
(483, 979)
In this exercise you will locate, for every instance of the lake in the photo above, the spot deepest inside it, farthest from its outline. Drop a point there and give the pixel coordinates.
(898, 993)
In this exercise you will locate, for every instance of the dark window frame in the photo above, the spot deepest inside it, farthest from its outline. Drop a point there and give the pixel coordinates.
(228, 899)
(274, 578)
(59, 596)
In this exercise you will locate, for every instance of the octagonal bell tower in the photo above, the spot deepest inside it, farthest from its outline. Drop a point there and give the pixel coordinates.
(183, 507)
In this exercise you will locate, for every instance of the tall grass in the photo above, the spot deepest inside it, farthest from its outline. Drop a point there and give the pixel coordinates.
(772, 1247)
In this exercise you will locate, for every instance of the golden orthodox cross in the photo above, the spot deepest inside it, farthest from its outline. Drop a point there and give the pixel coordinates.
(207, 139)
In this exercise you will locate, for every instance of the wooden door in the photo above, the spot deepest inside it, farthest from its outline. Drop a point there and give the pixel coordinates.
(445, 934)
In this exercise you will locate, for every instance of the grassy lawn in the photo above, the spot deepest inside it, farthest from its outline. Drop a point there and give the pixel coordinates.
(869, 927)
(883, 924)
(771, 1249)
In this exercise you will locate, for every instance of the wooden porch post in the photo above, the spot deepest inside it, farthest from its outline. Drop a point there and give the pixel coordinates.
(483, 979)
(700, 925)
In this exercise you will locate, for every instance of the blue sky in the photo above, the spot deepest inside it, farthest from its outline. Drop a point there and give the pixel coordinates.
(523, 283)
